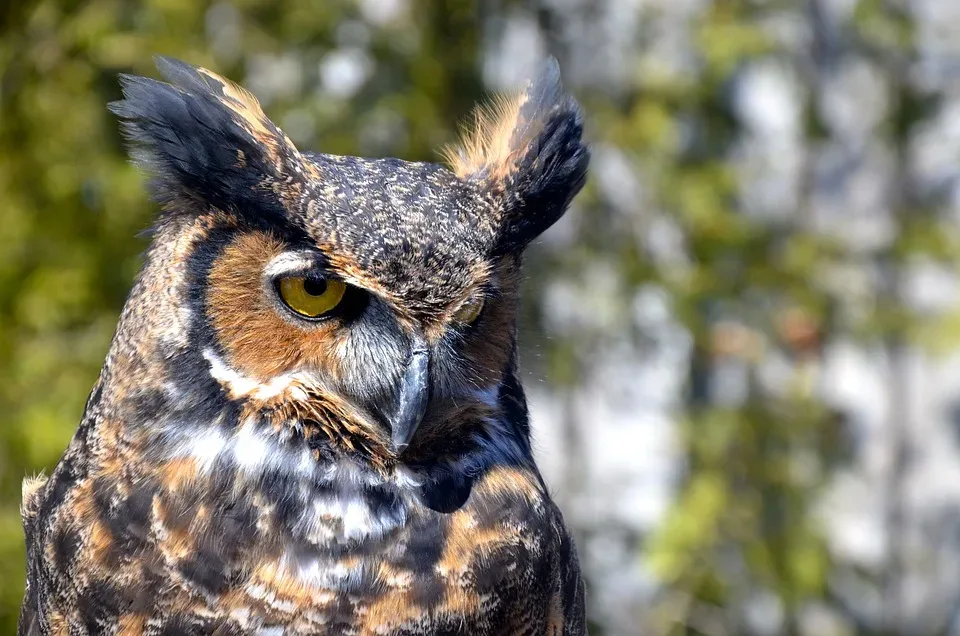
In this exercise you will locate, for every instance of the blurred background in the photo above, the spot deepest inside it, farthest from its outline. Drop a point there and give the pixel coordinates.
(742, 343)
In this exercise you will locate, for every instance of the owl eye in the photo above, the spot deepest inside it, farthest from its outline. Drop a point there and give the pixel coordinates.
(468, 311)
(311, 297)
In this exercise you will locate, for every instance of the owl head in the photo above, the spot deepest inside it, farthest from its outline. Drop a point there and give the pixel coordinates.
(372, 302)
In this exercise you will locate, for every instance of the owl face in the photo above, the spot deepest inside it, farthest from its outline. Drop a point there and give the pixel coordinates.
(374, 298)
(400, 329)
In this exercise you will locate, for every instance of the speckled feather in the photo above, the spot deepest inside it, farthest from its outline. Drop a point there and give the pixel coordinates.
(234, 470)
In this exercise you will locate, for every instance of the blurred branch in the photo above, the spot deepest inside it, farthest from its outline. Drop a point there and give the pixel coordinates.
(899, 383)
(855, 615)
(680, 609)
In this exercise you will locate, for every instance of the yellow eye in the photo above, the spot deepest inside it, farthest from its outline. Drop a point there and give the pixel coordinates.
(469, 311)
(311, 297)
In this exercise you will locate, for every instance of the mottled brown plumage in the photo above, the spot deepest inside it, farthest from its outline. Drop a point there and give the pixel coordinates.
(244, 466)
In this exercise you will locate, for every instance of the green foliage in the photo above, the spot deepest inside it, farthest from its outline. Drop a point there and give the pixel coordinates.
(744, 521)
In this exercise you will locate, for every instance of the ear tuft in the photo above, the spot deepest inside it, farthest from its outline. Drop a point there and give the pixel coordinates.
(527, 150)
(207, 141)
(484, 149)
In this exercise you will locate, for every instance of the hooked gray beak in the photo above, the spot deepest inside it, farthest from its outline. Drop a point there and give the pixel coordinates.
(414, 395)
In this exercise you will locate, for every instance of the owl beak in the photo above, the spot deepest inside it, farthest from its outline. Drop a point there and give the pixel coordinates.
(414, 395)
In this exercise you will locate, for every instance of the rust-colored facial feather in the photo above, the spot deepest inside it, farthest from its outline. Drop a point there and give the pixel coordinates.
(258, 341)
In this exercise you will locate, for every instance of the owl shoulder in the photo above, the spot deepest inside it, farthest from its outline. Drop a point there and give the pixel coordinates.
(520, 545)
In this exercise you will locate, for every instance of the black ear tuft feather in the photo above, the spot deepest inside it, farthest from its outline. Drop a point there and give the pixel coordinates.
(206, 141)
(552, 166)
(528, 150)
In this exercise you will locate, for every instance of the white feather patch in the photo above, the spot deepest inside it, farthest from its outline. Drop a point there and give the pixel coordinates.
(252, 450)
(206, 446)
(239, 385)
(290, 263)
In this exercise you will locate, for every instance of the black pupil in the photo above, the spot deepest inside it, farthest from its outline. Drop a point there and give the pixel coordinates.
(315, 286)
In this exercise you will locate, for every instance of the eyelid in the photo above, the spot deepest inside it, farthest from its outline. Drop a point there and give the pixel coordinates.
(304, 264)
(486, 292)
(483, 294)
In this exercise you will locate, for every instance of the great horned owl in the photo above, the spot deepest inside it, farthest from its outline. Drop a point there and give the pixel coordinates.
(310, 419)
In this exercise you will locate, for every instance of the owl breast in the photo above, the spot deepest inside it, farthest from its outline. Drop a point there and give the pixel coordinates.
(246, 531)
